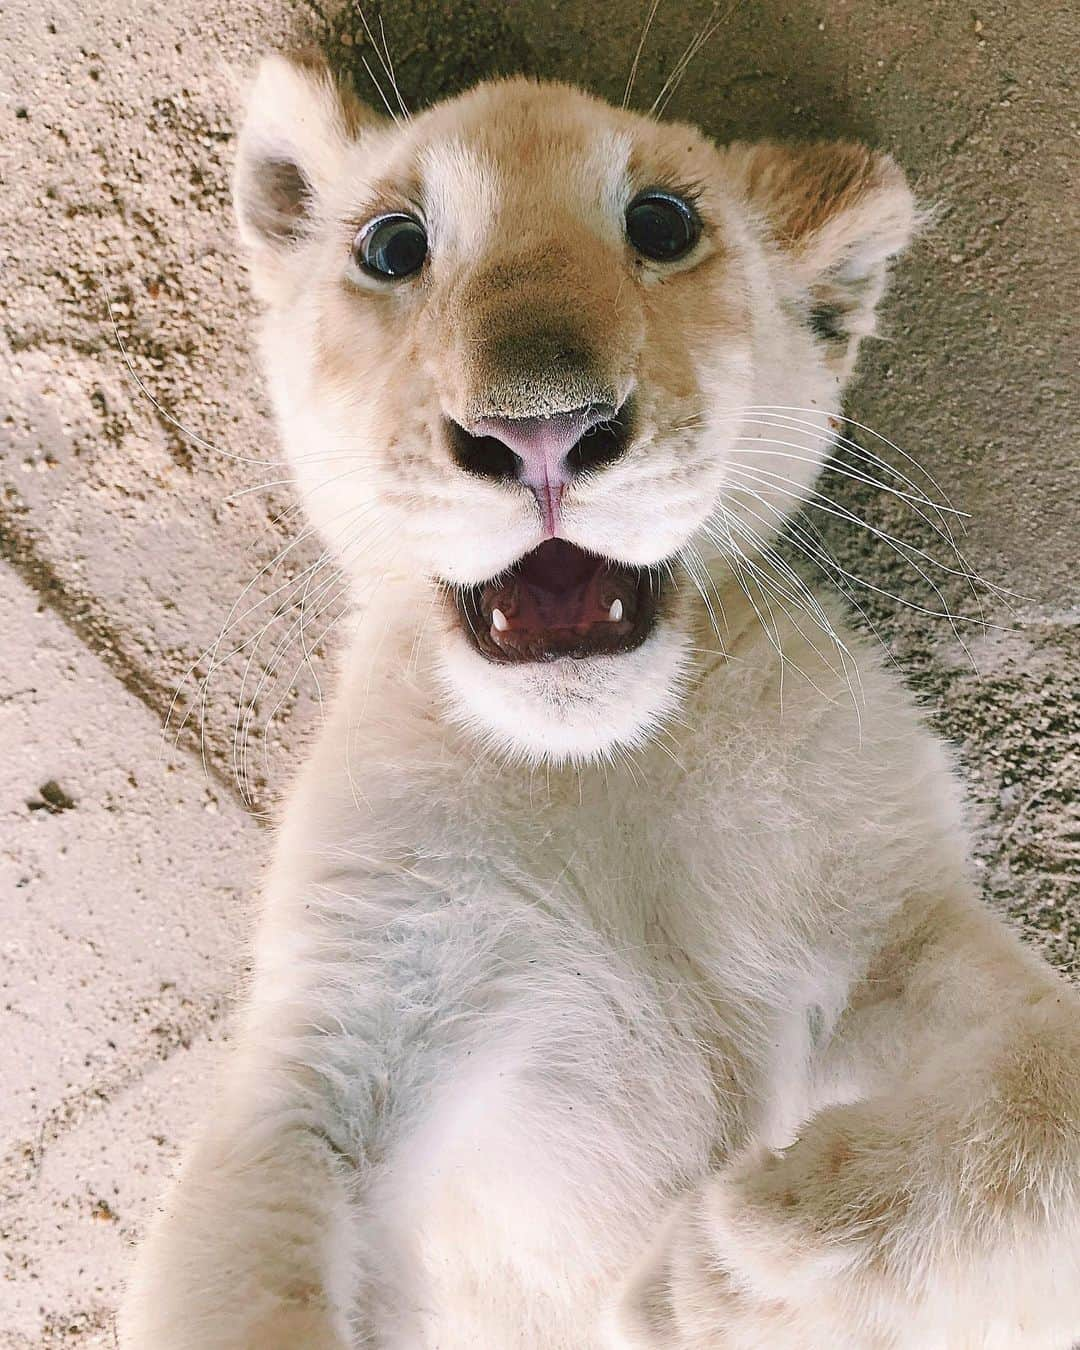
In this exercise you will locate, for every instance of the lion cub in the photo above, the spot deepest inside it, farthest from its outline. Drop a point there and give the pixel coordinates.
(617, 985)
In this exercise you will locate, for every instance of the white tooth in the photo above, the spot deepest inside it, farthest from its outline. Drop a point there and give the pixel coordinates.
(615, 612)
(498, 621)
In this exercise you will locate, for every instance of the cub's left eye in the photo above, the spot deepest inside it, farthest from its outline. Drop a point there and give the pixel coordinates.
(392, 246)
(662, 226)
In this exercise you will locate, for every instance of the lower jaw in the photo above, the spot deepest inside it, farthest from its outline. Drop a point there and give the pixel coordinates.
(557, 647)
(567, 711)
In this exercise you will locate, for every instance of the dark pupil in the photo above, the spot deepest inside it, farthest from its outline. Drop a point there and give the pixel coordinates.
(396, 248)
(659, 229)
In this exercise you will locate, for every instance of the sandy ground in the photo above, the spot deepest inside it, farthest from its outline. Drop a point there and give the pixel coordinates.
(127, 856)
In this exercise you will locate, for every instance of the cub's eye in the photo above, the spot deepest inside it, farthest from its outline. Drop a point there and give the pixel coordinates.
(662, 226)
(391, 246)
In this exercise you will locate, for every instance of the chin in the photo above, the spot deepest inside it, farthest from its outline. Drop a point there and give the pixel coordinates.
(566, 657)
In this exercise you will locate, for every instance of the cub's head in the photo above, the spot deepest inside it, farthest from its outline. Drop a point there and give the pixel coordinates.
(520, 347)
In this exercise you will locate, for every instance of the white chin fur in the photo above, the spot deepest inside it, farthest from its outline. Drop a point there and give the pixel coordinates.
(567, 711)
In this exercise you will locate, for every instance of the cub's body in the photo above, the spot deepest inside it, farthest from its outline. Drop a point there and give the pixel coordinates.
(568, 995)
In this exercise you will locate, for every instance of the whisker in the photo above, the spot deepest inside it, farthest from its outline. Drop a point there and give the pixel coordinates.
(821, 501)
(390, 73)
(217, 662)
(246, 708)
(290, 683)
(163, 413)
(831, 466)
(379, 89)
(898, 546)
(790, 587)
(692, 555)
(787, 420)
(637, 54)
(859, 426)
(682, 65)
(800, 594)
(384, 61)
(232, 619)
(210, 652)
(796, 534)
(768, 584)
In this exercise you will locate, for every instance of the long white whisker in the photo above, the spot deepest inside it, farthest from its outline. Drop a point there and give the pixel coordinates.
(789, 421)
(682, 65)
(829, 507)
(734, 556)
(799, 537)
(832, 466)
(390, 73)
(210, 652)
(859, 426)
(794, 588)
(384, 61)
(821, 501)
(232, 619)
(693, 557)
(637, 54)
(837, 442)
(246, 709)
(790, 586)
(163, 413)
(217, 662)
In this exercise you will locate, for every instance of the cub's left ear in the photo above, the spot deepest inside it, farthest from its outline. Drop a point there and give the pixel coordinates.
(838, 212)
(299, 128)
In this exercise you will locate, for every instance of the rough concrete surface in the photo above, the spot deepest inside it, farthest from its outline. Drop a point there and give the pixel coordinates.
(127, 868)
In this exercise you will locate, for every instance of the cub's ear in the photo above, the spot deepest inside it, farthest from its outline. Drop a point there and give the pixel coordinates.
(839, 212)
(296, 134)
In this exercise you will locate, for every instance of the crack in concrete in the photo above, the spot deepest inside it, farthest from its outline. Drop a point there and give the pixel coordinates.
(22, 1162)
(87, 621)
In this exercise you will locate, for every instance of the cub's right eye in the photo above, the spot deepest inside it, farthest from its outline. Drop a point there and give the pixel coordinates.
(393, 247)
(662, 226)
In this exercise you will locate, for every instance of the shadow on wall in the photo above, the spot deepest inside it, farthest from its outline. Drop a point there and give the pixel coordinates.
(764, 71)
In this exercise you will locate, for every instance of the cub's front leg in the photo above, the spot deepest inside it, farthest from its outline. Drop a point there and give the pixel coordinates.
(268, 1239)
(252, 1248)
(941, 1212)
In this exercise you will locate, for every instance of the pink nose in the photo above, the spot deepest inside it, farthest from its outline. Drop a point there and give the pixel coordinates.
(542, 444)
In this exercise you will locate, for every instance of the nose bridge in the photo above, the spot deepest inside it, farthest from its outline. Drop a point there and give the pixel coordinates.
(543, 332)
(539, 365)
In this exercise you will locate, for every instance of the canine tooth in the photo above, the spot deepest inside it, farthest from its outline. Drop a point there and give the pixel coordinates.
(498, 621)
(615, 612)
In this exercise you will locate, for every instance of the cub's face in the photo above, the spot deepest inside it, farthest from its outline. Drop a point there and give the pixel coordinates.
(516, 345)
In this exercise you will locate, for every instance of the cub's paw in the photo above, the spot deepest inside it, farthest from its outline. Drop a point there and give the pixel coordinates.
(297, 1329)
(684, 1296)
(729, 1272)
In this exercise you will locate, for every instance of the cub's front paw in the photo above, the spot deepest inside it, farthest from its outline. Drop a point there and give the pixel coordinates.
(684, 1296)
(728, 1273)
(297, 1329)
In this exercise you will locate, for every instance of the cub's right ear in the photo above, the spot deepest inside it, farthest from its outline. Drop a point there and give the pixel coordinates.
(297, 132)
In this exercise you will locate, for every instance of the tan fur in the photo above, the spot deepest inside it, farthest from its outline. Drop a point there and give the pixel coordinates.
(639, 1001)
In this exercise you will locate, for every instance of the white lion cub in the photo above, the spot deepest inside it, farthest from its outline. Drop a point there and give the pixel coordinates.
(618, 985)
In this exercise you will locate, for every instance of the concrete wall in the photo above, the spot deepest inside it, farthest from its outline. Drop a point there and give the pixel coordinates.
(127, 860)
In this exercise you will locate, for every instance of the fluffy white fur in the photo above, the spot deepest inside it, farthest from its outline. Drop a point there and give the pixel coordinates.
(641, 1002)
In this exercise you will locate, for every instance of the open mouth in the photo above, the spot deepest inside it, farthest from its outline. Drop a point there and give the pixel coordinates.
(559, 601)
